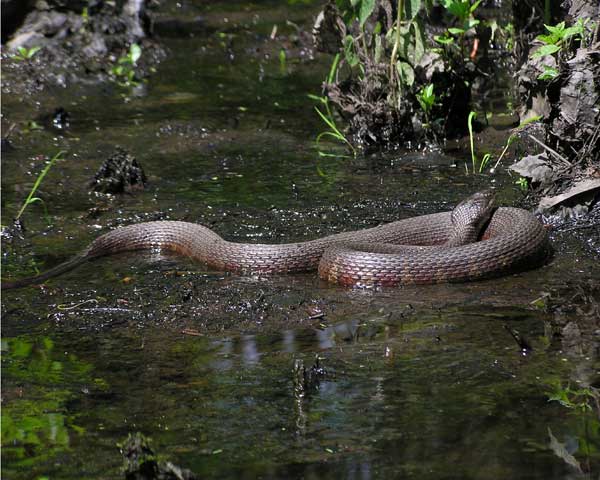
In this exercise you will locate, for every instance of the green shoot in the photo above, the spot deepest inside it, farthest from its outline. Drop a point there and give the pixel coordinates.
(522, 183)
(334, 132)
(125, 70)
(31, 198)
(508, 143)
(474, 160)
(282, 61)
(25, 53)
(554, 41)
(463, 11)
(472, 115)
(426, 98)
(484, 161)
(327, 115)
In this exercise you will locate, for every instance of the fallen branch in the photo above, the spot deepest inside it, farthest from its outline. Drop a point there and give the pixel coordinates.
(551, 151)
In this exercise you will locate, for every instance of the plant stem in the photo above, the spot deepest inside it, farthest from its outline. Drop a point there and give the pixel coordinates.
(470, 125)
(395, 49)
(37, 183)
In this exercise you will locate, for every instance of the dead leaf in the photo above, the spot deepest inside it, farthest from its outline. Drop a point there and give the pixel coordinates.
(561, 452)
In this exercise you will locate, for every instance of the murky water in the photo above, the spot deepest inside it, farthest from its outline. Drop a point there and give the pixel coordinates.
(423, 382)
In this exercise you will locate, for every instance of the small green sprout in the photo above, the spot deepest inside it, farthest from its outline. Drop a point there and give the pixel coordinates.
(125, 70)
(25, 53)
(522, 183)
(31, 198)
(427, 98)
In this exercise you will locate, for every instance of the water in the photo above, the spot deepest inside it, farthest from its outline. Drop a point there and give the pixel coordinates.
(422, 382)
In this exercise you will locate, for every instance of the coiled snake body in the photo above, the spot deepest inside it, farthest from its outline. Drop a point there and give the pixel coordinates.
(442, 247)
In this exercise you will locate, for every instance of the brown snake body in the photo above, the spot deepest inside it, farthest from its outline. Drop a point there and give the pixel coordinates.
(440, 247)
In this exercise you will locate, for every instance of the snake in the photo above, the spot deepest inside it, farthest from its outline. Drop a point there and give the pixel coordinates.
(475, 240)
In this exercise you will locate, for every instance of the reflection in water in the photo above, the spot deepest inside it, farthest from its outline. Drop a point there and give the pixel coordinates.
(289, 344)
(358, 470)
(250, 354)
(324, 339)
(223, 361)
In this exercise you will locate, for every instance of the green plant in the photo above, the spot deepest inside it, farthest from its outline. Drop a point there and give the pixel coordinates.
(584, 402)
(282, 61)
(30, 198)
(554, 42)
(427, 99)
(25, 53)
(125, 70)
(579, 399)
(463, 12)
(406, 39)
(477, 165)
(327, 115)
(511, 139)
(522, 183)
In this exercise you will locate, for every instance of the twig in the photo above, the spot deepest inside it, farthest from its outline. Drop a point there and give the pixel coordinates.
(550, 150)
(193, 332)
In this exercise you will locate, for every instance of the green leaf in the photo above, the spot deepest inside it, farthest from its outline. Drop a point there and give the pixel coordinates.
(548, 39)
(545, 50)
(456, 31)
(459, 8)
(443, 39)
(419, 42)
(411, 8)
(412, 44)
(349, 53)
(378, 49)
(366, 9)
(557, 29)
(474, 6)
(32, 51)
(406, 72)
(549, 74)
(135, 52)
(317, 98)
(569, 32)
(429, 91)
(471, 23)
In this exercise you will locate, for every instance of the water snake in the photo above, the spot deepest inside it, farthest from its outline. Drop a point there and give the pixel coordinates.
(474, 241)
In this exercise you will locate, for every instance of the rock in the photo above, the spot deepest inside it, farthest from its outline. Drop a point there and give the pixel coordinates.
(118, 174)
(578, 112)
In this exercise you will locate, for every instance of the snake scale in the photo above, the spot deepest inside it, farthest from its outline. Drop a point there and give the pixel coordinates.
(472, 242)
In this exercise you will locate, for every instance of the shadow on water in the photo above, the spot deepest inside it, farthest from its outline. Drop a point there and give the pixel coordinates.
(423, 382)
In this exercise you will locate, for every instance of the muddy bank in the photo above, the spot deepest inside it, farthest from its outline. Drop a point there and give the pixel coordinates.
(558, 84)
(58, 44)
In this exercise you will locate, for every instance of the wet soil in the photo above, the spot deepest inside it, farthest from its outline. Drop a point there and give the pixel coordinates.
(423, 382)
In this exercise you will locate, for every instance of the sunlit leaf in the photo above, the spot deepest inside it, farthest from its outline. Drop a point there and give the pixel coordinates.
(545, 50)
(411, 8)
(549, 74)
(366, 9)
(406, 72)
(135, 52)
(349, 53)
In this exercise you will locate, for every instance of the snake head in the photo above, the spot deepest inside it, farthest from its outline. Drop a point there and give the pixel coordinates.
(470, 216)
